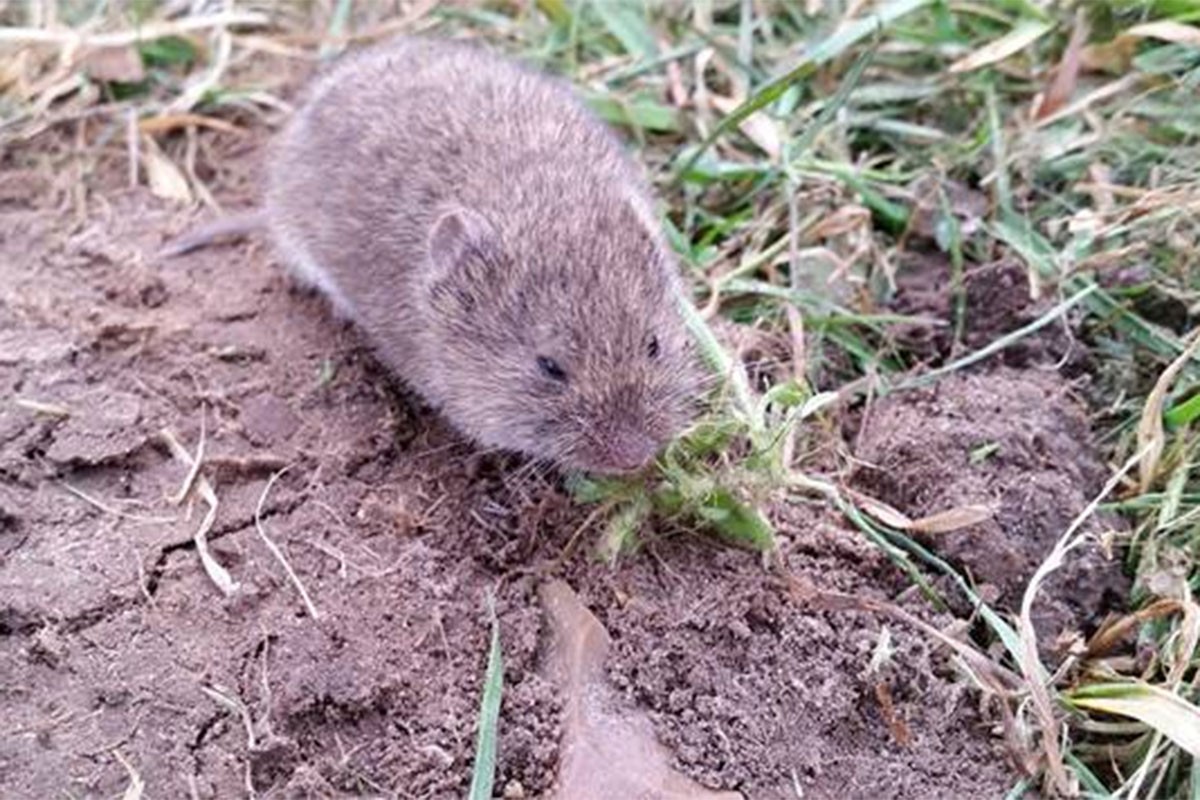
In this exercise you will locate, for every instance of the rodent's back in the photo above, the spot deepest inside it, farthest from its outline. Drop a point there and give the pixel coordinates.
(393, 134)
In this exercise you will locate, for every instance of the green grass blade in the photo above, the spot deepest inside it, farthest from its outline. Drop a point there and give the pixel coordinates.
(557, 11)
(1004, 632)
(1094, 787)
(721, 362)
(626, 21)
(828, 49)
(337, 29)
(1183, 413)
(1031, 246)
(1018, 791)
(803, 142)
(483, 774)
(640, 113)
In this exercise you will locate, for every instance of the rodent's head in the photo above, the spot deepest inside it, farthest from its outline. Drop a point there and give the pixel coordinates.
(573, 349)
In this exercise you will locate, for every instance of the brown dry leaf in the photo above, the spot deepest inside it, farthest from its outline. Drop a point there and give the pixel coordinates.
(1151, 437)
(1113, 57)
(606, 752)
(676, 92)
(1165, 30)
(758, 127)
(941, 522)
(844, 220)
(1066, 75)
(113, 64)
(953, 520)
(1100, 187)
(166, 179)
(14, 75)
(881, 511)
(1111, 633)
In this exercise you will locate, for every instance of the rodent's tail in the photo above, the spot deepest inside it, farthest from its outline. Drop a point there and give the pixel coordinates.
(237, 225)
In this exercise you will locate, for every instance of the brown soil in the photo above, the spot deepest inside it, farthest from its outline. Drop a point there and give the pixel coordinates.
(1018, 442)
(998, 300)
(115, 645)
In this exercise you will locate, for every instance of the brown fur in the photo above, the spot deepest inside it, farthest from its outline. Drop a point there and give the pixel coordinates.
(476, 221)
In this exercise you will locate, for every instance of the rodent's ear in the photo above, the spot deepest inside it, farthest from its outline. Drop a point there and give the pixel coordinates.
(458, 238)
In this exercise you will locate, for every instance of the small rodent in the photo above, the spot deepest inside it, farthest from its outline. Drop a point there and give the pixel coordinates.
(495, 243)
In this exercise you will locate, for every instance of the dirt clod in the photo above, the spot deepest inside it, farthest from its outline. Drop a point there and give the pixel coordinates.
(1019, 442)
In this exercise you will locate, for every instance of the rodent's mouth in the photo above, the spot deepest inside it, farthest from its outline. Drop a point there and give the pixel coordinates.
(620, 455)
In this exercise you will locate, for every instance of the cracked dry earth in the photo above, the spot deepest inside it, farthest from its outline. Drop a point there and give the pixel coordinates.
(119, 654)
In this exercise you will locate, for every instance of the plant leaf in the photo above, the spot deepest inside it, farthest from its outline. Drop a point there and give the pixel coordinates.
(1167, 713)
(1183, 413)
(637, 113)
(483, 774)
(1150, 434)
(1023, 34)
(620, 535)
(166, 179)
(627, 22)
(737, 521)
(1167, 31)
(953, 520)
(557, 11)
(758, 127)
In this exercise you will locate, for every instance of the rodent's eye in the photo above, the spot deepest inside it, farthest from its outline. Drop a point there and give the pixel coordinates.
(551, 369)
(652, 346)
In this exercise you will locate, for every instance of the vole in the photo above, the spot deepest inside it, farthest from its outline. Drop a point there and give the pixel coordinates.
(494, 242)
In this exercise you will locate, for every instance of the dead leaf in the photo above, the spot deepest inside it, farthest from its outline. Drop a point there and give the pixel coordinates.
(953, 520)
(675, 89)
(846, 219)
(606, 751)
(113, 64)
(881, 511)
(1151, 437)
(166, 179)
(1116, 56)
(1112, 631)
(14, 75)
(895, 722)
(941, 522)
(1113, 57)
(1067, 74)
(1165, 30)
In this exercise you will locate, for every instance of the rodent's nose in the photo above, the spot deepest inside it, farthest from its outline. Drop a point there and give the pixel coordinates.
(629, 451)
